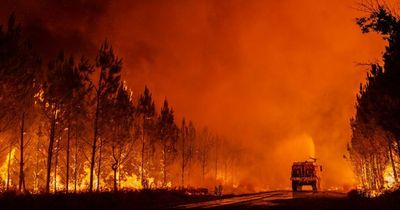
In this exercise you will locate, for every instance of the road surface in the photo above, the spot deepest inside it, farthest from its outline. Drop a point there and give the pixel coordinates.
(259, 199)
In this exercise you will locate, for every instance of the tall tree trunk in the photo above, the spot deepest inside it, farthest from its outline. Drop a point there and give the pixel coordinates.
(8, 168)
(76, 158)
(204, 173)
(99, 164)
(188, 172)
(115, 181)
(392, 161)
(183, 159)
(115, 168)
(165, 165)
(95, 133)
(21, 186)
(37, 161)
(92, 162)
(398, 147)
(142, 169)
(216, 161)
(67, 164)
(50, 149)
(55, 165)
(119, 178)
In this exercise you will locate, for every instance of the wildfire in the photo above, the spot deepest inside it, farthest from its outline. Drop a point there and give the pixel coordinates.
(86, 178)
(4, 167)
(134, 182)
(388, 177)
(57, 184)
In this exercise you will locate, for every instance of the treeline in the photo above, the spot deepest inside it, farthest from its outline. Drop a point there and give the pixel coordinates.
(375, 144)
(74, 125)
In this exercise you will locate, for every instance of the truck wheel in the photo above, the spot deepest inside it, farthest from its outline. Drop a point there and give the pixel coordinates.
(314, 187)
(294, 186)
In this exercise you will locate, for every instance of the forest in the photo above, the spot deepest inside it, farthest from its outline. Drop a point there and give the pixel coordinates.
(72, 124)
(375, 144)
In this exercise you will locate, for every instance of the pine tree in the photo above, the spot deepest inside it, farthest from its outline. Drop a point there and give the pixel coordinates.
(109, 66)
(168, 133)
(146, 113)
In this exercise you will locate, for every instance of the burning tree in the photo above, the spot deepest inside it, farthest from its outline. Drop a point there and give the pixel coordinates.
(19, 70)
(65, 125)
(109, 77)
(145, 116)
(62, 97)
(122, 113)
(204, 151)
(376, 125)
(168, 133)
(187, 137)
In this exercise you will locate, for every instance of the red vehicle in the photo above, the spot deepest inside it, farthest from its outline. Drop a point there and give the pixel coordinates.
(306, 173)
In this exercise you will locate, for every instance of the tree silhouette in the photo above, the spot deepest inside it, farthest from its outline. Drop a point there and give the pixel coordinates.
(187, 137)
(167, 132)
(19, 70)
(146, 113)
(109, 77)
(120, 126)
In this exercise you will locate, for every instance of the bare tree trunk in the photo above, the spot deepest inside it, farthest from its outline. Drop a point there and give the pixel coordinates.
(165, 165)
(142, 169)
(76, 158)
(55, 165)
(183, 160)
(95, 133)
(203, 166)
(114, 167)
(8, 168)
(391, 160)
(119, 178)
(37, 161)
(188, 172)
(216, 160)
(50, 149)
(67, 164)
(398, 147)
(115, 180)
(99, 164)
(21, 186)
(93, 153)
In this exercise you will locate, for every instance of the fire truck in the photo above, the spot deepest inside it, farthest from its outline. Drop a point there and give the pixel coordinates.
(306, 173)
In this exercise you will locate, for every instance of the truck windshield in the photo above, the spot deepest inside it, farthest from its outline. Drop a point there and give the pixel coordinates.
(296, 171)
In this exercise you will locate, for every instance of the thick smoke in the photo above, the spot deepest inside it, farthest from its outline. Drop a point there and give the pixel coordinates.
(277, 77)
(59, 25)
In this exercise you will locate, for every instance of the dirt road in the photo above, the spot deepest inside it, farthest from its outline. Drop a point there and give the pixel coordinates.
(263, 199)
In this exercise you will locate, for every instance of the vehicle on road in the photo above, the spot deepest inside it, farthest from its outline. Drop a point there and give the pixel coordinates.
(306, 173)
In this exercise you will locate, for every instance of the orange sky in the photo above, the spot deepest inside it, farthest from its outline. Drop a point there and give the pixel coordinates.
(274, 76)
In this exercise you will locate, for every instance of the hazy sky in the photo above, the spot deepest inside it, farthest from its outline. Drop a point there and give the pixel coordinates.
(278, 77)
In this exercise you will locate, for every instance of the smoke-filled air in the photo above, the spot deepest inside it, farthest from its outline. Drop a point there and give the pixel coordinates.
(121, 95)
